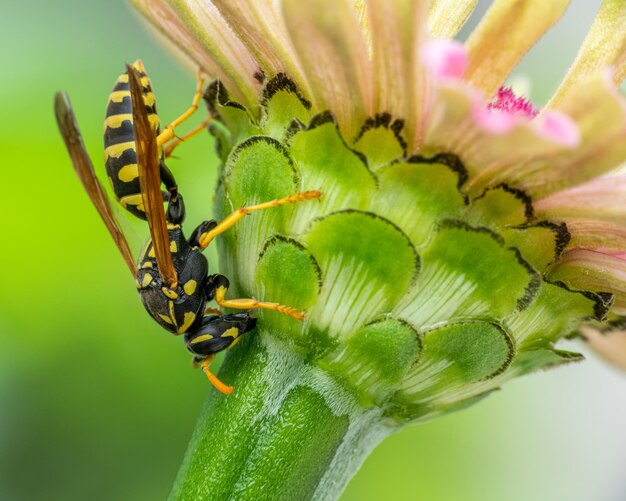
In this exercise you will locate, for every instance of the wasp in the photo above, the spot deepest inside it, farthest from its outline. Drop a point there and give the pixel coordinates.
(171, 273)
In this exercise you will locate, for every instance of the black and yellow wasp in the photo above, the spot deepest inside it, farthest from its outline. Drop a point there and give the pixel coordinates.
(172, 273)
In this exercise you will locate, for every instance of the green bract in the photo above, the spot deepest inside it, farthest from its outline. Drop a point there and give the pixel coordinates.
(418, 297)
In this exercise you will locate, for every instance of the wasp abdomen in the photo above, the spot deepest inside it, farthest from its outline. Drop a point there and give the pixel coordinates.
(120, 156)
(216, 333)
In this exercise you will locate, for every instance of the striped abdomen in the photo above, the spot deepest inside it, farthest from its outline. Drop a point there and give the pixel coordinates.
(120, 157)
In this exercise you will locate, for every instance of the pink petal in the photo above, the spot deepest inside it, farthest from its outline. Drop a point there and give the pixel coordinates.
(601, 198)
(333, 53)
(586, 269)
(446, 58)
(494, 121)
(558, 127)
(597, 234)
(397, 33)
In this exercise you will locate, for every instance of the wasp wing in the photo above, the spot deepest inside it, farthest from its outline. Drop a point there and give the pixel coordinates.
(150, 180)
(84, 168)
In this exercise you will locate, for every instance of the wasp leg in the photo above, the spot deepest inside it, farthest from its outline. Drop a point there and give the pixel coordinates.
(214, 311)
(202, 228)
(233, 218)
(167, 178)
(167, 151)
(217, 333)
(215, 381)
(168, 131)
(217, 286)
(175, 213)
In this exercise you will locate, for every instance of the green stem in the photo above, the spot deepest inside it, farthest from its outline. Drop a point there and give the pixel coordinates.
(288, 431)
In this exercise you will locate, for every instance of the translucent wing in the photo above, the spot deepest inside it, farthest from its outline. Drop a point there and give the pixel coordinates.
(150, 180)
(84, 168)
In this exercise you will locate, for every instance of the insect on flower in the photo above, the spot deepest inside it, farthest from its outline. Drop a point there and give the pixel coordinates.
(172, 273)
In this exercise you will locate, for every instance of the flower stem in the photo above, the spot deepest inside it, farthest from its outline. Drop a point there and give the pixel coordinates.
(288, 431)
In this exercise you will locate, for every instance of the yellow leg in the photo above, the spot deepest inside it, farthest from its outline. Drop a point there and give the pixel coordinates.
(221, 387)
(212, 311)
(167, 151)
(232, 219)
(168, 131)
(253, 304)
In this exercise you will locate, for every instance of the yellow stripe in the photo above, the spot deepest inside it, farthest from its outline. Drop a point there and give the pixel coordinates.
(232, 332)
(145, 81)
(188, 319)
(166, 319)
(147, 280)
(173, 246)
(115, 121)
(128, 173)
(148, 98)
(170, 305)
(199, 339)
(119, 95)
(138, 65)
(116, 150)
(136, 200)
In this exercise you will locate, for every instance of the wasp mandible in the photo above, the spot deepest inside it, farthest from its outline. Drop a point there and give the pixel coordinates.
(171, 274)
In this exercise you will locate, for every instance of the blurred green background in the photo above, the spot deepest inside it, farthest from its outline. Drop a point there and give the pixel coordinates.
(97, 402)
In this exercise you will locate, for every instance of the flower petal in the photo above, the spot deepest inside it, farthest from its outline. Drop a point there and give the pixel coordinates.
(445, 58)
(584, 269)
(331, 45)
(494, 121)
(447, 17)
(595, 213)
(504, 35)
(596, 234)
(201, 33)
(603, 198)
(558, 127)
(261, 28)
(605, 45)
(398, 33)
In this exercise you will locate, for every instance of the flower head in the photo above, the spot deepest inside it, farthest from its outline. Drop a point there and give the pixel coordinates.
(463, 230)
